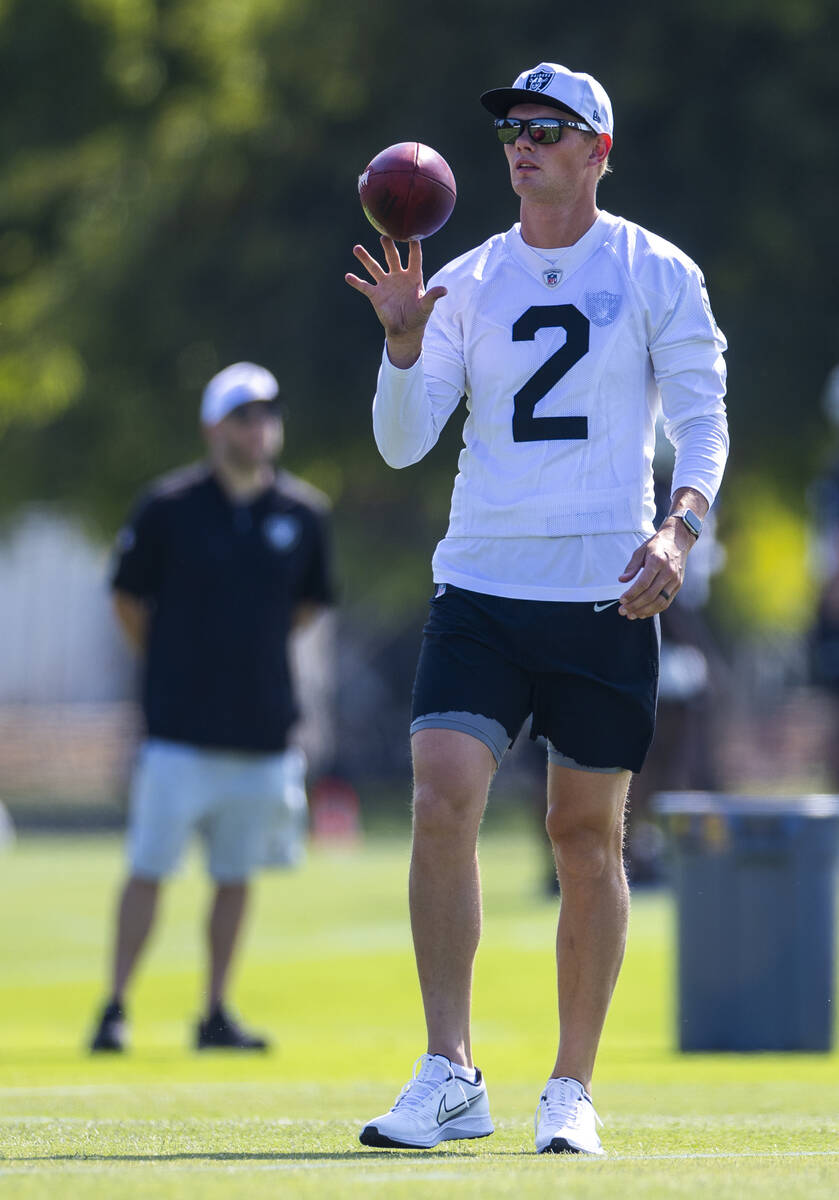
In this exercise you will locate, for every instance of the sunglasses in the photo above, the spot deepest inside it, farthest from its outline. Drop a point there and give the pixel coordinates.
(542, 130)
(255, 410)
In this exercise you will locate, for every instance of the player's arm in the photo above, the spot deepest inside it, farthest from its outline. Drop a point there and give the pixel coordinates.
(686, 350)
(411, 406)
(133, 616)
(409, 411)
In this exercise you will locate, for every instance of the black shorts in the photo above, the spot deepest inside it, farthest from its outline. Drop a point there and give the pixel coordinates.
(588, 676)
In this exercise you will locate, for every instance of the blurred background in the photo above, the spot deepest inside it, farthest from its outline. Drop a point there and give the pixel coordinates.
(179, 192)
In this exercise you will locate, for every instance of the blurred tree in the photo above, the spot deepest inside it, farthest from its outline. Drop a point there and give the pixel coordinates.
(179, 192)
(771, 582)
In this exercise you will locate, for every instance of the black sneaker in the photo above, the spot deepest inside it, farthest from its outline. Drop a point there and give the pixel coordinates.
(221, 1032)
(112, 1031)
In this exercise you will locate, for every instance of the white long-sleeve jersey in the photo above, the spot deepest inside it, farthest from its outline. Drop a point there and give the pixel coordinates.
(565, 358)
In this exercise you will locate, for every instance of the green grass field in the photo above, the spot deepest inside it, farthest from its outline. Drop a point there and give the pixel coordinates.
(328, 970)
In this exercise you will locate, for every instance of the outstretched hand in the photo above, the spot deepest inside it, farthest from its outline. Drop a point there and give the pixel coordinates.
(398, 297)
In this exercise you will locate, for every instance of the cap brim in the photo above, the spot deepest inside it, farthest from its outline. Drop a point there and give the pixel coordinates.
(499, 101)
(222, 411)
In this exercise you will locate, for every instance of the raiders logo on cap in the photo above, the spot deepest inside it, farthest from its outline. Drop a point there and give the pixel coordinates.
(537, 81)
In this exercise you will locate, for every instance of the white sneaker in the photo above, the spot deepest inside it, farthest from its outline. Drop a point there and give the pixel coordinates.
(435, 1106)
(566, 1121)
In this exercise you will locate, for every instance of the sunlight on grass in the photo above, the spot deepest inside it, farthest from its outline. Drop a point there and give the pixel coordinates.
(328, 971)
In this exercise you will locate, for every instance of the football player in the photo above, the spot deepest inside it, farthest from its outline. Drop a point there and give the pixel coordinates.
(566, 335)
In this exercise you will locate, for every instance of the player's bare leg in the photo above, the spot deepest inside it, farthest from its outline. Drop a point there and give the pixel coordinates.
(452, 773)
(135, 917)
(585, 825)
(442, 1102)
(224, 924)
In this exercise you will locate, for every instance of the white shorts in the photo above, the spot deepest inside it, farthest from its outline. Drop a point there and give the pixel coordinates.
(250, 809)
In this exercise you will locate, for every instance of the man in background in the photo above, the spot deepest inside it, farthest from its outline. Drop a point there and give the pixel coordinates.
(217, 566)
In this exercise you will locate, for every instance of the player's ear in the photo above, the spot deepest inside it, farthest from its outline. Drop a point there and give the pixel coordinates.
(600, 148)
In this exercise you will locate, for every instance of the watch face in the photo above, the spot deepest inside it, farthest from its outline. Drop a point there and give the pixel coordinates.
(692, 521)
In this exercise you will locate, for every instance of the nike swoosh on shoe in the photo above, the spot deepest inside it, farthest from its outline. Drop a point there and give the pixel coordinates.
(444, 1113)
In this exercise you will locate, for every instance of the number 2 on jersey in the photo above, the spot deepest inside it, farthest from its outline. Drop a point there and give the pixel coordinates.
(526, 427)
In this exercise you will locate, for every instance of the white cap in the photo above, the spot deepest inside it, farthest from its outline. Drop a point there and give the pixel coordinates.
(239, 384)
(551, 84)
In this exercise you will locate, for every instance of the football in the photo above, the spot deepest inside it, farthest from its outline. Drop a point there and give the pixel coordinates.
(408, 191)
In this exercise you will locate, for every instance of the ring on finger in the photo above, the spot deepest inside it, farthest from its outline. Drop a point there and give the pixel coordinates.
(666, 595)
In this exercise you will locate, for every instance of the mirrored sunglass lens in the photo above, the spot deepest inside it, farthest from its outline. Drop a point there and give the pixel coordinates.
(507, 130)
(545, 131)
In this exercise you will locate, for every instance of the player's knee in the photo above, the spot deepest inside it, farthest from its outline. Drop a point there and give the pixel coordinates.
(581, 851)
(438, 809)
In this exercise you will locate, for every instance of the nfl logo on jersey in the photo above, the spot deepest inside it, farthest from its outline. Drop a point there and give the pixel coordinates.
(551, 278)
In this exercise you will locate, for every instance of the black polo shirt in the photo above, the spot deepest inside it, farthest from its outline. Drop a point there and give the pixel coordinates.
(222, 581)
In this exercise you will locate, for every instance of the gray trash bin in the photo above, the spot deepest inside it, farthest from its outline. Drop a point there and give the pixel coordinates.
(755, 881)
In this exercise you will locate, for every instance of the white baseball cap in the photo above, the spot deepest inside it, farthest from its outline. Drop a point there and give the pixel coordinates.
(551, 84)
(238, 384)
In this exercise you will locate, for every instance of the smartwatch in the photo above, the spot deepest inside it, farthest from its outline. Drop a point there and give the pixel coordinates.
(689, 518)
